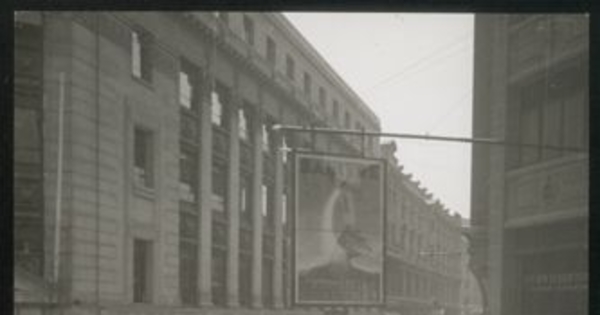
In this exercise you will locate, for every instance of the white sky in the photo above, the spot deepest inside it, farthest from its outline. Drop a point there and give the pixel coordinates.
(415, 72)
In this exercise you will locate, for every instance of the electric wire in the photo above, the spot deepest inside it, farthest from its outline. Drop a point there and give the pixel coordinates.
(433, 55)
(453, 107)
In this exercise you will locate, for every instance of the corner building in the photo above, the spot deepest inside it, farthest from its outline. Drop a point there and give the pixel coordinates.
(172, 187)
(530, 210)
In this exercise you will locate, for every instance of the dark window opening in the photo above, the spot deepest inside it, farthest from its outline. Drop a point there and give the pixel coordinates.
(188, 174)
(322, 97)
(271, 51)
(219, 185)
(219, 276)
(143, 157)
(347, 120)
(249, 30)
(142, 265)
(267, 282)
(189, 85)
(307, 84)
(219, 101)
(141, 53)
(290, 67)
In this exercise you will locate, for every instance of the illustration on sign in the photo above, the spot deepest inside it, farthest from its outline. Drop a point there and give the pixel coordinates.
(339, 231)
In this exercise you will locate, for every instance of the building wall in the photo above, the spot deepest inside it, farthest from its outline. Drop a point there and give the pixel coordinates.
(105, 208)
(531, 87)
(470, 291)
(424, 246)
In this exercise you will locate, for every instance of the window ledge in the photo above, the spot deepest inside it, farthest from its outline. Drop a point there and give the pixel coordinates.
(143, 82)
(144, 192)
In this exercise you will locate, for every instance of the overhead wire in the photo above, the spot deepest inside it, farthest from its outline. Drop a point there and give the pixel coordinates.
(441, 50)
(404, 77)
(451, 110)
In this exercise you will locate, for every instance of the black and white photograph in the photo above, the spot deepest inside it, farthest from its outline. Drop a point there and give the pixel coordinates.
(222, 162)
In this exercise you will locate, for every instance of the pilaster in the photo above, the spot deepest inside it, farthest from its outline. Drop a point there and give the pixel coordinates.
(257, 182)
(278, 253)
(233, 182)
(205, 189)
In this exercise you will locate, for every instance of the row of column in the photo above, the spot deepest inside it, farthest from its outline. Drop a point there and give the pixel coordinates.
(233, 176)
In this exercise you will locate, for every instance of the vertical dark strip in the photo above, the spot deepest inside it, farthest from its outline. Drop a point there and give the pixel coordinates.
(97, 166)
(594, 236)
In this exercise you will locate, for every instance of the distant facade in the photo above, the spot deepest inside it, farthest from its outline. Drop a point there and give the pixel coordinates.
(173, 188)
(425, 247)
(530, 211)
(471, 302)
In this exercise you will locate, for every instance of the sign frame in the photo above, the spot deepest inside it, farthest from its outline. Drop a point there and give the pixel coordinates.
(293, 207)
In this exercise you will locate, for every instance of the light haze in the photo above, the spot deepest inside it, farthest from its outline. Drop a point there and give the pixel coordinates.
(415, 72)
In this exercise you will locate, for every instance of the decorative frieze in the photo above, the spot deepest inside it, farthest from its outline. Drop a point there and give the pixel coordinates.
(554, 188)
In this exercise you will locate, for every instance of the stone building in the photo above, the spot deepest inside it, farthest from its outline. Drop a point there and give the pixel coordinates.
(470, 291)
(530, 203)
(424, 246)
(172, 187)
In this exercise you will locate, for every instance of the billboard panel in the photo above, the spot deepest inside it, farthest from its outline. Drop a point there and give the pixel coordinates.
(338, 230)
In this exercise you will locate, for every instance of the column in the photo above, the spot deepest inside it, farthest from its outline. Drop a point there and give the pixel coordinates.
(278, 253)
(497, 180)
(205, 187)
(233, 180)
(257, 182)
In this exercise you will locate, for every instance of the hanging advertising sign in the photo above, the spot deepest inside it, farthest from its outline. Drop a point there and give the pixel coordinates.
(339, 230)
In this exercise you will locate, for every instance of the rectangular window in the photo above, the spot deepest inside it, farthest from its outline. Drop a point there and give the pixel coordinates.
(142, 265)
(245, 279)
(322, 97)
(267, 282)
(243, 199)
(188, 258)
(336, 111)
(249, 30)
(290, 67)
(347, 120)
(246, 197)
(219, 102)
(217, 110)
(219, 276)
(266, 138)
(143, 157)
(307, 84)
(265, 198)
(243, 124)
(284, 209)
(271, 51)
(141, 65)
(189, 75)
(219, 185)
(187, 173)
(185, 90)
(267, 206)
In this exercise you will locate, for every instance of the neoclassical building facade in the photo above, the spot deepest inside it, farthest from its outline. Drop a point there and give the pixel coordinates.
(147, 137)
